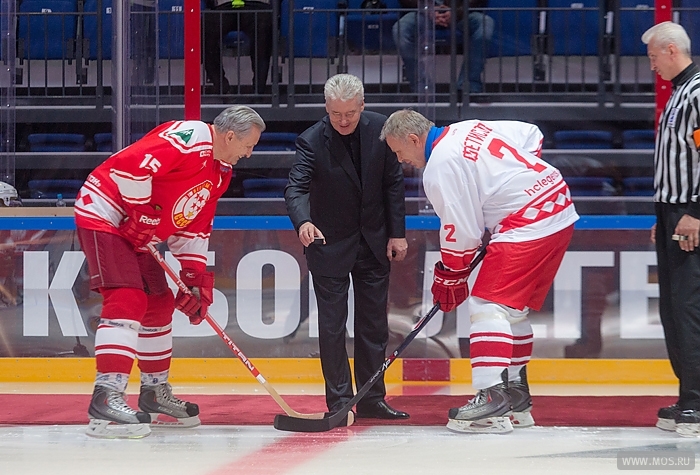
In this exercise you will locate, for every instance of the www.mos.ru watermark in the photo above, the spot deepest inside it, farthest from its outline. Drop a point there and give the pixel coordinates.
(653, 460)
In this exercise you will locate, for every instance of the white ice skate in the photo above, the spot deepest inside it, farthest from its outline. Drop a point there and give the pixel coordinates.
(167, 410)
(688, 423)
(667, 417)
(522, 402)
(487, 413)
(112, 418)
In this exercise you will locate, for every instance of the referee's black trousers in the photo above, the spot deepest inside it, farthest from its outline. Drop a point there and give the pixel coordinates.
(679, 303)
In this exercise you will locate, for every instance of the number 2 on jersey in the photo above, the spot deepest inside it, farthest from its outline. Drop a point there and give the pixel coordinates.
(496, 147)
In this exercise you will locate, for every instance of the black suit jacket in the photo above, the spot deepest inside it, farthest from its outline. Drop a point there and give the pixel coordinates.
(324, 188)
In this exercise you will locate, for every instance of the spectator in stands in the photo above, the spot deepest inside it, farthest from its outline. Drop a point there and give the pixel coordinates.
(480, 28)
(346, 190)
(252, 17)
(677, 229)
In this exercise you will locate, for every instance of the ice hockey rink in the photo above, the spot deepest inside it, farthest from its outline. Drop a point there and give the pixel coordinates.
(359, 449)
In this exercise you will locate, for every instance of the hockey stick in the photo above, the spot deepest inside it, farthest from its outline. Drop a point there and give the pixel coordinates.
(236, 351)
(289, 423)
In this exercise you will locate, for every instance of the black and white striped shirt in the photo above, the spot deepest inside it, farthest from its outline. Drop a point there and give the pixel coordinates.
(676, 155)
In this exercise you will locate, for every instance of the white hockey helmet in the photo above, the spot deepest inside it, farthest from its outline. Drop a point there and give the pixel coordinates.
(9, 196)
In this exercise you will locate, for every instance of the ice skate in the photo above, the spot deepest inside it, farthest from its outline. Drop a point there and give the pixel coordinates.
(667, 417)
(167, 410)
(688, 423)
(487, 412)
(112, 418)
(521, 401)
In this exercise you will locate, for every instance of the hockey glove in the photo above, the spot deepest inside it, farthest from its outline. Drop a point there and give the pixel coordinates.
(196, 304)
(140, 225)
(450, 288)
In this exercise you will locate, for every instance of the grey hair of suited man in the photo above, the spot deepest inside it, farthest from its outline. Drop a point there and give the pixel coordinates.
(240, 120)
(666, 33)
(344, 87)
(404, 122)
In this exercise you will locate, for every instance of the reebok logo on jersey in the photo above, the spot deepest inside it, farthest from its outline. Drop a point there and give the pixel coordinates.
(149, 221)
(183, 135)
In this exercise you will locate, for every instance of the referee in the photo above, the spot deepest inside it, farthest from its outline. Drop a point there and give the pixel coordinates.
(677, 230)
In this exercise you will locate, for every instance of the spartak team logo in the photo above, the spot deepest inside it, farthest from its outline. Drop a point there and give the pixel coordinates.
(188, 206)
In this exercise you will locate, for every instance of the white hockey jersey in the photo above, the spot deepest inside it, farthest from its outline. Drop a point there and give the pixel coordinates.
(483, 175)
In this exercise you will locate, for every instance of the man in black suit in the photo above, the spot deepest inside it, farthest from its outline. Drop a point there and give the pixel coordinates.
(345, 198)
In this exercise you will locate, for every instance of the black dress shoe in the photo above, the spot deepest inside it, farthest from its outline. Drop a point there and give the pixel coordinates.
(380, 410)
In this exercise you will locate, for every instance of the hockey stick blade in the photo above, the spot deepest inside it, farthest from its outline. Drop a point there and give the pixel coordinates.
(342, 417)
(232, 346)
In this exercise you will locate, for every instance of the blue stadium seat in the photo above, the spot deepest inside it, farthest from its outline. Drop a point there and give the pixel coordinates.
(276, 141)
(103, 142)
(690, 19)
(412, 185)
(171, 29)
(591, 185)
(90, 28)
(638, 186)
(370, 30)
(638, 139)
(315, 31)
(237, 40)
(583, 139)
(56, 142)
(49, 189)
(264, 187)
(513, 28)
(636, 16)
(573, 27)
(46, 29)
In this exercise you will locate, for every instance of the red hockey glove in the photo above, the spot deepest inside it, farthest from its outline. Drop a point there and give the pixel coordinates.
(140, 225)
(195, 305)
(450, 288)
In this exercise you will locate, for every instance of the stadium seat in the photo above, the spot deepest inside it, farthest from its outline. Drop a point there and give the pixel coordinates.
(56, 142)
(573, 27)
(50, 35)
(370, 30)
(591, 186)
(689, 17)
(276, 141)
(49, 189)
(638, 139)
(315, 29)
(513, 28)
(171, 29)
(638, 186)
(636, 16)
(583, 139)
(103, 142)
(237, 41)
(90, 28)
(412, 185)
(264, 187)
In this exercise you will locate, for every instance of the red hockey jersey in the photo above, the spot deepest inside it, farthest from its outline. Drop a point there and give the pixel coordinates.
(172, 167)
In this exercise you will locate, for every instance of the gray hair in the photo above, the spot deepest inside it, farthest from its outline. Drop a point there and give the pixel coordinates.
(238, 119)
(666, 33)
(404, 122)
(344, 87)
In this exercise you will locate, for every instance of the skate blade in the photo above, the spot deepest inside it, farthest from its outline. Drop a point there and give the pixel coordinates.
(688, 430)
(164, 420)
(102, 429)
(666, 424)
(490, 425)
(520, 420)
